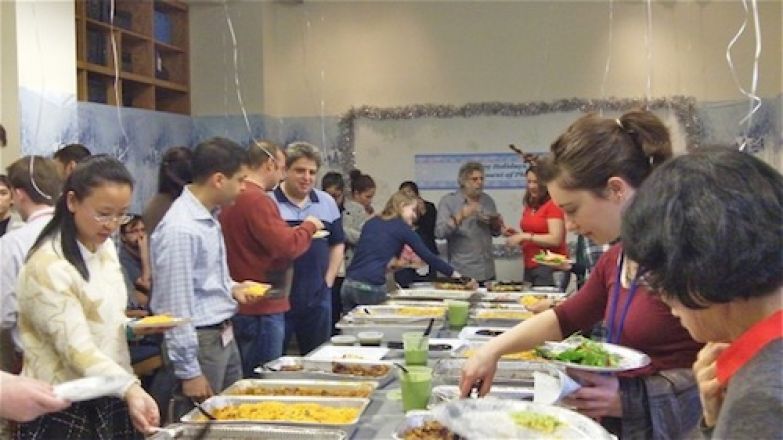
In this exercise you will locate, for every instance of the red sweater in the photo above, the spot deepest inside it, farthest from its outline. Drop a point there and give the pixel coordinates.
(259, 241)
(649, 326)
(536, 222)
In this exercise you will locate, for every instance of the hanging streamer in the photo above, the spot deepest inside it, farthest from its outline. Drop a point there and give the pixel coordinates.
(237, 85)
(43, 80)
(648, 41)
(754, 101)
(609, 55)
(225, 85)
(122, 150)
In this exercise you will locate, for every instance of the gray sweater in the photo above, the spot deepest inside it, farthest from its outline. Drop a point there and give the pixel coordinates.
(753, 405)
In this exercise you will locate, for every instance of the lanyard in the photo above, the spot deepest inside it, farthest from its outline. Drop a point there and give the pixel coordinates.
(612, 337)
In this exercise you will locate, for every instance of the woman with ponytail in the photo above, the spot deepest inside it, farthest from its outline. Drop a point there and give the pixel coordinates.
(72, 308)
(174, 173)
(593, 173)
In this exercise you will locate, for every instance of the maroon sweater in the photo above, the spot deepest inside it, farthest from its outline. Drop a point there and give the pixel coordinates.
(649, 326)
(259, 241)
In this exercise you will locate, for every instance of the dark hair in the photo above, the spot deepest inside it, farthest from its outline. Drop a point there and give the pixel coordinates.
(360, 182)
(217, 155)
(43, 186)
(593, 149)
(707, 227)
(88, 175)
(72, 153)
(3, 139)
(4, 181)
(135, 219)
(543, 192)
(175, 171)
(259, 152)
(333, 178)
(410, 184)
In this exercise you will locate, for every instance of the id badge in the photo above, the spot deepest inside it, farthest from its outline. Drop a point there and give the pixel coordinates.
(227, 335)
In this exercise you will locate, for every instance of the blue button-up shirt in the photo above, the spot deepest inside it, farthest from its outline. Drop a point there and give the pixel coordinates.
(191, 277)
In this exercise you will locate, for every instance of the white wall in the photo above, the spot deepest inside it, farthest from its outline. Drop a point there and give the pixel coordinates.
(46, 45)
(397, 53)
(9, 90)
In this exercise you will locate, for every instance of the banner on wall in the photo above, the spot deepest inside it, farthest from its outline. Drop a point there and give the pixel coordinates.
(439, 171)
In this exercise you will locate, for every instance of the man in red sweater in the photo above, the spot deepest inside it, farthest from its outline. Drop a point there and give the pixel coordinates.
(261, 247)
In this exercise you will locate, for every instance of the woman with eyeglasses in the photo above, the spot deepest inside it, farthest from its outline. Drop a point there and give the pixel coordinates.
(592, 174)
(72, 308)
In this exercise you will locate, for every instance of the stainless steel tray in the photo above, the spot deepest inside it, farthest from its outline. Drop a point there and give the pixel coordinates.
(243, 387)
(431, 293)
(246, 431)
(392, 314)
(447, 393)
(463, 352)
(320, 370)
(482, 317)
(391, 332)
(510, 372)
(216, 402)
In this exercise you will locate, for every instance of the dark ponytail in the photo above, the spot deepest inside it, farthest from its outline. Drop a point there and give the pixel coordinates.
(89, 174)
(593, 149)
(360, 182)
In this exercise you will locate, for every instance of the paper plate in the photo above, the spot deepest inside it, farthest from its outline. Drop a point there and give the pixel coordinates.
(174, 322)
(629, 359)
(323, 233)
(491, 418)
(89, 388)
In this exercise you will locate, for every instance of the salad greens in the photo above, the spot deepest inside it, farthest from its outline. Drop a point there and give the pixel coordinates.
(583, 352)
(535, 421)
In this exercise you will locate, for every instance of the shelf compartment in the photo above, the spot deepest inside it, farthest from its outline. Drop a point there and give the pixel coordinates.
(171, 101)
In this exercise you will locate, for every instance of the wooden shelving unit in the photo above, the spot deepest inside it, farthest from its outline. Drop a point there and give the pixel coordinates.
(150, 41)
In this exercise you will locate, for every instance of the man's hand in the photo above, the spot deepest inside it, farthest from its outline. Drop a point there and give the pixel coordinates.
(314, 220)
(197, 388)
(242, 295)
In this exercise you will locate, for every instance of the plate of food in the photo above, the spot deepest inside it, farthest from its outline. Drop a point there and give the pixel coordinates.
(549, 258)
(157, 321)
(88, 388)
(502, 418)
(421, 425)
(579, 352)
(343, 353)
(257, 289)
(463, 283)
(322, 233)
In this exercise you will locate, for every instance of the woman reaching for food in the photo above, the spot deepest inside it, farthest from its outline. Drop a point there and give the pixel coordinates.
(592, 174)
(382, 240)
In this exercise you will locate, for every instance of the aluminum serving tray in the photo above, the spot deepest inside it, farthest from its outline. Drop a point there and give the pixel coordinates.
(391, 332)
(462, 352)
(390, 314)
(509, 372)
(432, 293)
(413, 419)
(246, 431)
(447, 393)
(513, 296)
(216, 402)
(320, 370)
(498, 319)
(241, 387)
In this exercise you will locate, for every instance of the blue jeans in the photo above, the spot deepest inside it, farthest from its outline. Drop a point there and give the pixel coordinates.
(260, 339)
(356, 293)
(311, 324)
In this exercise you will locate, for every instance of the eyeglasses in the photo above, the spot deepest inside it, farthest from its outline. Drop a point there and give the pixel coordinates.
(121, 219)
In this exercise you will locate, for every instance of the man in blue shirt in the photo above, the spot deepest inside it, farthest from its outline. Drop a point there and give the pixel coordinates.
(191, 275)
(310, 317)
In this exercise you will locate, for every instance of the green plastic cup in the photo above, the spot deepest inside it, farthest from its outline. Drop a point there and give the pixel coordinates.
(458, 312)
(415, 348)
(416, 387)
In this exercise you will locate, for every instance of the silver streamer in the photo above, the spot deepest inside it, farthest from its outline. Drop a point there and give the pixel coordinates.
(683, 107)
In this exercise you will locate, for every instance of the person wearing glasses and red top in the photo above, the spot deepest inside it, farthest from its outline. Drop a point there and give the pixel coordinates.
(708, 229)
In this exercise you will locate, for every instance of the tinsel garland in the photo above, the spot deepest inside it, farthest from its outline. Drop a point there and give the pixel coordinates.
(683, 107)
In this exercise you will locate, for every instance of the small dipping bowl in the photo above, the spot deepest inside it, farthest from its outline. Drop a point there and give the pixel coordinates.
(370, 338)
(344, 340)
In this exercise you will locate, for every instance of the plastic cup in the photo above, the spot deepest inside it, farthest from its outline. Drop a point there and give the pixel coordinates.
(416, 387)
(415, 347)
(458, 312)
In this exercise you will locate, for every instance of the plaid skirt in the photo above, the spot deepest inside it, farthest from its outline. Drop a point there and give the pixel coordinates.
(104, 419)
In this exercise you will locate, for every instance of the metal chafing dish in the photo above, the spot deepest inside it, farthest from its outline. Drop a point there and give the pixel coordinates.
(295, 367)
(244, 431)
(216, 402)
(242, 387)
(447, 393)
(508, 372)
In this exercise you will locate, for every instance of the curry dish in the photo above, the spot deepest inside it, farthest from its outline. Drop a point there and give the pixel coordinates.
(288, 412)
(363, 391)
(360, 369)
(430, 430)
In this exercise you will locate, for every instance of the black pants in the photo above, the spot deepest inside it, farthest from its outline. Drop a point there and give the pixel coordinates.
(104, 418)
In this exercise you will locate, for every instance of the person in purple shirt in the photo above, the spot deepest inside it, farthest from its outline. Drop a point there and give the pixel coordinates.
(381, 243)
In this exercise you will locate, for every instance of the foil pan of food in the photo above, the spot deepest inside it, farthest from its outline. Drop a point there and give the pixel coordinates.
(301, 388)
(245, 431)
(295, 367)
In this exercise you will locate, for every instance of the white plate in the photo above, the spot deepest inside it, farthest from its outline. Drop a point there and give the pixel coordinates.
(490, 418)
(171, 324)
(342, 353)
(630, 359)
(323, 233)
(89, 388)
